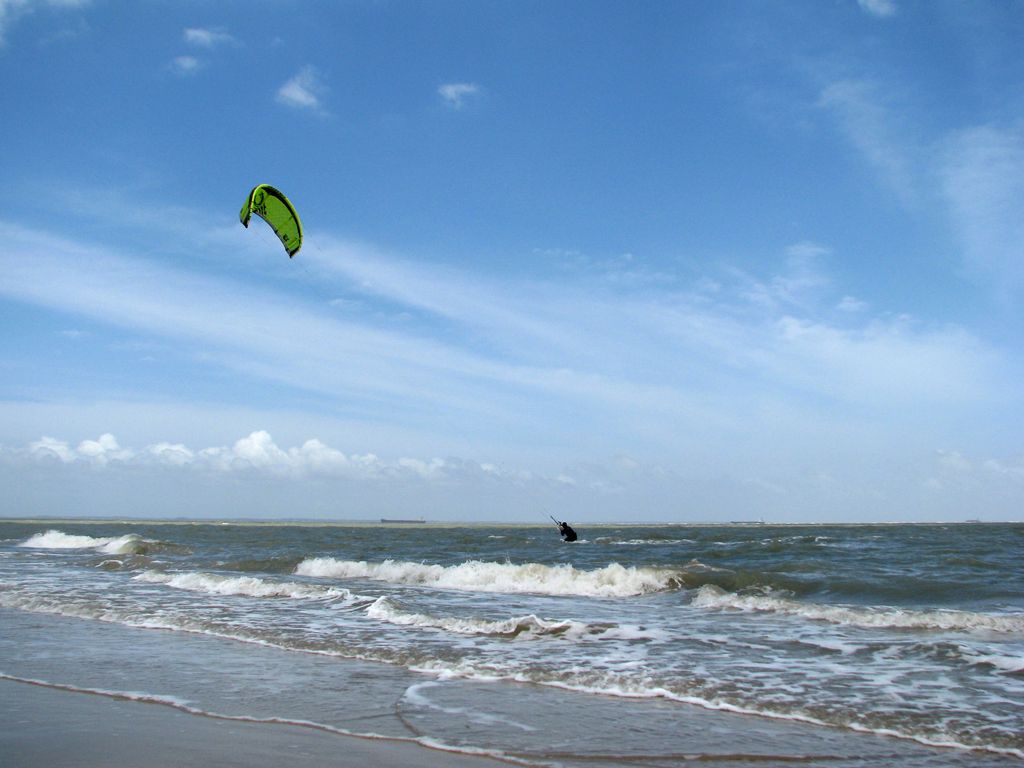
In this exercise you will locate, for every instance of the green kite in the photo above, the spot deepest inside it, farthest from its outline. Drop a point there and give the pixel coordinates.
(274, 208)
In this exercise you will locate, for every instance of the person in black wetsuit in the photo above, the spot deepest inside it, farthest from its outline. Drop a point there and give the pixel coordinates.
(568, 534)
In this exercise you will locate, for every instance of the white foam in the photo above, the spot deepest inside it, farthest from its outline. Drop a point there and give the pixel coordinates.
(597, 681)
(1009, 665)
(249, 586)
(111, 545)
(611, 581)
(643, 542)
(608, 684)
(123, 545)
(630, 633)
(149, 698)
(383, 609)
(710, 596)
(414, 696)
(54, 539)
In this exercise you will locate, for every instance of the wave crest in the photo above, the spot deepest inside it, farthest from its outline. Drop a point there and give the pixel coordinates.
(246, 586)
(476, 576)
(130, 544)
(710, 596)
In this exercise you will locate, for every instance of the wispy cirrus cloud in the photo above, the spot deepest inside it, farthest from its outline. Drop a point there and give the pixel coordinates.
(480, 344)
(778, 328)
(576, 365)
(972, 177)
(878, 131)
(981, 171)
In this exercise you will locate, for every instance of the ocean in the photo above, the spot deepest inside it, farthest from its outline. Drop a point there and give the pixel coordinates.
(840, 645)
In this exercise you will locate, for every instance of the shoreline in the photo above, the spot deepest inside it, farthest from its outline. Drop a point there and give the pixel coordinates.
(55, 725)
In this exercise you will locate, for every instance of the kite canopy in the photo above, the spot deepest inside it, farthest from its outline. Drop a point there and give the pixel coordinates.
(274, 208)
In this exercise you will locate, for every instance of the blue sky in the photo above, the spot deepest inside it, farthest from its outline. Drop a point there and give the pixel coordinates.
(668, 261)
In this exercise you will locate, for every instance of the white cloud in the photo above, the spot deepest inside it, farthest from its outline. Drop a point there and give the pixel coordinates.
(99, 451)
(801, 281)
(302, 91)
(103, 450)
(12, 10)
(851, 304)
(186, 65)
(882, 362)
(492, 350)
(428, 470)
(206, 38)
(954, 473)
(977, 171)
(256, 452)
(51, 448)
(455, 94)
(173, 454)
(982, 177)
(768, 330)
(259, 450)
(876, 131)
(880, 8)
(1012, 469)
(758, 372)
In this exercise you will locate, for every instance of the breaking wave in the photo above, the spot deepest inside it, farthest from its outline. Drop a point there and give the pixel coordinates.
(476, 576)
(710, 596)
(248, 586)
(131, 544)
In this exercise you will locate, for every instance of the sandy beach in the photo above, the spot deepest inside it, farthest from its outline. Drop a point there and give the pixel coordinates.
(42, 726)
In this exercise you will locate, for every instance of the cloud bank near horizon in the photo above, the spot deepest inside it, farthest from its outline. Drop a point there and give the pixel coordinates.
(255, 452)
(255, 477)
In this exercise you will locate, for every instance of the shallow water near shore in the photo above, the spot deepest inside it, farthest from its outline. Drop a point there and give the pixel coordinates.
(845, 645)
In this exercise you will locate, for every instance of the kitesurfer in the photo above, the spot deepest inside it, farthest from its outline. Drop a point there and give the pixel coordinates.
(568, 534)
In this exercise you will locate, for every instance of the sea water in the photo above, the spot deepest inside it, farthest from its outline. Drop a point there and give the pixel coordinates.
(653, 645)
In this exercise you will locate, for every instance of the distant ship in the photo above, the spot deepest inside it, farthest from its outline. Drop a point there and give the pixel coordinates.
(397, 520)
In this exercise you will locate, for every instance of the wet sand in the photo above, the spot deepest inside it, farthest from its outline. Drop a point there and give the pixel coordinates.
(45, 727)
